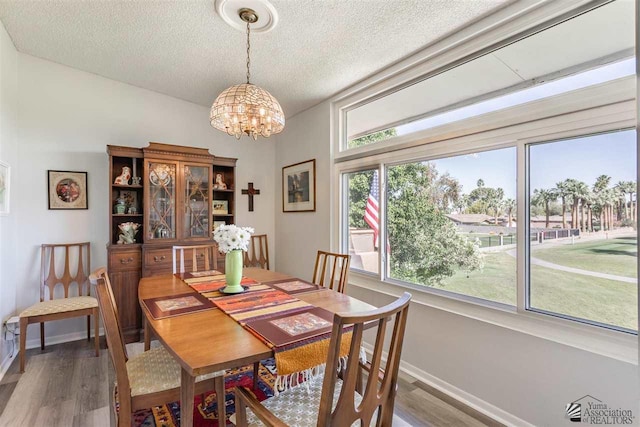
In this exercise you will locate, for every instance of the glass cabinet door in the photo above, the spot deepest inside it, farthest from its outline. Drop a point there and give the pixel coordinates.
(197, 206)
(162, 200)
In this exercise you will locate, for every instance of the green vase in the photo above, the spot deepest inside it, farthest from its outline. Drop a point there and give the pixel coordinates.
(233, 272)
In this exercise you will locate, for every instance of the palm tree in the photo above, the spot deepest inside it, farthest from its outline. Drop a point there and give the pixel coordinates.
(621, 187)
(542, 197)
(462, 203)
(562, 189)
(605, 197)
(448, 191)
(509, 205)
(494, 201)
(577, 190)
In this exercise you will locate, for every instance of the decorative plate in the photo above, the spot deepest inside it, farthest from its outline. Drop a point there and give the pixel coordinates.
(160, 176)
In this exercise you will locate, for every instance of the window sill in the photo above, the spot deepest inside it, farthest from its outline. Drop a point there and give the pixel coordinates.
(613, 344)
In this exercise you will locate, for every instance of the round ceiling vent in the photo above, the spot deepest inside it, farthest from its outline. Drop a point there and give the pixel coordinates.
(266, 13)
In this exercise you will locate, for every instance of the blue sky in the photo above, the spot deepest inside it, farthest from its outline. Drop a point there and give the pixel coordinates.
(584, 159)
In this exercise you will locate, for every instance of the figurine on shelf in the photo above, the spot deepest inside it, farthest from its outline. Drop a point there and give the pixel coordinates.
(219, 184)
(121, 205)
(124, 177)
(135, 180)
(128, 233)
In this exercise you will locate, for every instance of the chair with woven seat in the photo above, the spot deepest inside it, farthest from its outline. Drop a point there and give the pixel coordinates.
(336, 263)
(334, 401)
(204, 255)
(258, 253)
(75, 300)
(151, 378)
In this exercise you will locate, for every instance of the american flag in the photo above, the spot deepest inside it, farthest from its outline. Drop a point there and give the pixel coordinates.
(371, 209)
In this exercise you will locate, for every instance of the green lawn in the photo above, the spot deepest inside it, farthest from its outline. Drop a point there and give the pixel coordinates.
(612, 256)
(592, 298)
(496, 282)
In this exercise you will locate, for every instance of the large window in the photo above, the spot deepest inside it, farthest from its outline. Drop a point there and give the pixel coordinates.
(450, 224)
(508, 180)
(582, 224)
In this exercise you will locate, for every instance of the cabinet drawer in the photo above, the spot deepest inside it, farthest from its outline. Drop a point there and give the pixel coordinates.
(124, 260)
(158, 261)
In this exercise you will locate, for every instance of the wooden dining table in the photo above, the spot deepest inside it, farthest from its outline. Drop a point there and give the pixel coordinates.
(209, 341)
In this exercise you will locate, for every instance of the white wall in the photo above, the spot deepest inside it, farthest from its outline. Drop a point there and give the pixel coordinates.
(8, 154)
(300, 234)
(516, 377)
(66, 117)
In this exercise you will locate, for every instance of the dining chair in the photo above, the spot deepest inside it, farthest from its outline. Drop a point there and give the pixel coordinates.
(335, 402)
(336, 263)
(258, 253)
(75, 299)
(203, 255)
(151, 378)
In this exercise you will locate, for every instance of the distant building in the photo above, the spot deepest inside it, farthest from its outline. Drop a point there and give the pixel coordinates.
(473, 219)
(555, 221)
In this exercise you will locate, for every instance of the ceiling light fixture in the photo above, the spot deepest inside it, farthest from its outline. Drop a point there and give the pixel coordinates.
(247, 108)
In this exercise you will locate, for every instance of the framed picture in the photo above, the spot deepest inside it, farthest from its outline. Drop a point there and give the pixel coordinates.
(68, 190)
(130, 200)
(299, 187)
(217, 224)
(220, 207)
(5, 175)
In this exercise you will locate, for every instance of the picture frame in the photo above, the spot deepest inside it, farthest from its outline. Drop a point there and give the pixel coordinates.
(217, 224)
(5, 187)
(220, 207)
(299, 187)
(67, 190)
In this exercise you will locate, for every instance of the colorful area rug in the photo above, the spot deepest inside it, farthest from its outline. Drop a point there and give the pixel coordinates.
(205, 413)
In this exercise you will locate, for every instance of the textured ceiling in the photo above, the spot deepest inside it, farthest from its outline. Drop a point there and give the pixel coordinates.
(183, 49)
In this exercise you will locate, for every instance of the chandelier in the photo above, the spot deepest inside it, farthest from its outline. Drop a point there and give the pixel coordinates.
(247, 108)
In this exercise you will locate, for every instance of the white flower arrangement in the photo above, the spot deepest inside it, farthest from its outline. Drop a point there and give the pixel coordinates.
(231, 237)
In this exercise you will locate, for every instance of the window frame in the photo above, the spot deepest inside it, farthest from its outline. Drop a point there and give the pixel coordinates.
(512, 132)
(615, 111)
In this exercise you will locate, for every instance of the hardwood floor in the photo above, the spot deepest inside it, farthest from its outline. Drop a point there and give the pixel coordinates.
(66, 385)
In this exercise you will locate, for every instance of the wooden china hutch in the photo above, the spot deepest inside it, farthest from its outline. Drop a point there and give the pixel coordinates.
(173, 195)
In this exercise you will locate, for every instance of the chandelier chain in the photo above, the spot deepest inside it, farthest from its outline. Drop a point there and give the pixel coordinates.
(248, 51)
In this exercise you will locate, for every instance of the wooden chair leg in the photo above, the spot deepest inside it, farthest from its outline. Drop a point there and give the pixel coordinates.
(256, 369)
(96, 330)
(147, 336)
(41, 335)
(124, 414)
(88, 328)
(221, 399)
(23, 341)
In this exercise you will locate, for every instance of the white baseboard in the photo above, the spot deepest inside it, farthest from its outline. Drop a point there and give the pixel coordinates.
(6, 362)
(458, 394)
(59, 339)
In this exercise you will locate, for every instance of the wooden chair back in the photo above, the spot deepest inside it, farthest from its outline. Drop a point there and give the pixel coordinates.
(258, 253)
(74, 256)
(327, 265)
(380, 388)
(193, 256)
(113, 332)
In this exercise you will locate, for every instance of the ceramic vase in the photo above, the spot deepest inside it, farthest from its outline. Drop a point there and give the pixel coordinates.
(233, 271)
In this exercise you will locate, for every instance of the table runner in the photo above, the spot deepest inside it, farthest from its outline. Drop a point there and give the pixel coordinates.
(297, 331)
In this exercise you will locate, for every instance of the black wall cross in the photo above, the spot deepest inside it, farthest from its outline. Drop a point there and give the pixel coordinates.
(251, 192)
